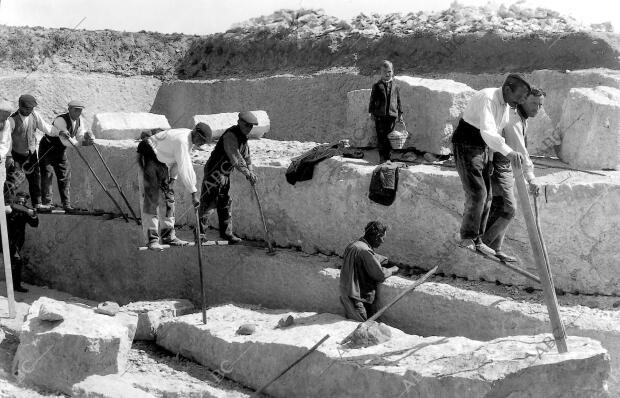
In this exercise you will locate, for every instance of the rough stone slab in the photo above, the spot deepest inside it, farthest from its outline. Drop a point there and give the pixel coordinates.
(590, 128)
(126, 125)
(56, 355)
(219, 122)
(151, 313)
(109, 386)
(100, 92)
(434, 366)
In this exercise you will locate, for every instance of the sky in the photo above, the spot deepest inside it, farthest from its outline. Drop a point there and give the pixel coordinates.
(210, 16)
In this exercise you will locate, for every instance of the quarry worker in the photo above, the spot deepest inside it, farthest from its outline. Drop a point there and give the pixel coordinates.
(503, 204)
(478, 130)
(385, 108)
(24, 159)
(67, 127)
(18, 216)
(362, 271)
(5, 137)
(164, 157)
(231, 152)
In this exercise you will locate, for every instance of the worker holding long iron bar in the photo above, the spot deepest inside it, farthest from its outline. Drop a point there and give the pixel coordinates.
(231, 152)
(478, 131)
(503, 204)
(69, 126)
(164, 157)
(362, 271)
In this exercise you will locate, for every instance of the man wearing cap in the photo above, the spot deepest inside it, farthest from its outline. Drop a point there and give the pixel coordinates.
(478, 131)
(68, 129)
(231, 152)
(164, 157)
(23, 125)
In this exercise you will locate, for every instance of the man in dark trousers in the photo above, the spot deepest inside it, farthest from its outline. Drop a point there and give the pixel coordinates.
(18, 215)
(479, 131)
(385, 108)
(68, 128)
(362, 271)
(25, 162)
(231, 152)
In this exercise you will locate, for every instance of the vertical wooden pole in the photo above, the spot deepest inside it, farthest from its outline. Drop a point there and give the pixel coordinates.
(6, 254)
(551, 300)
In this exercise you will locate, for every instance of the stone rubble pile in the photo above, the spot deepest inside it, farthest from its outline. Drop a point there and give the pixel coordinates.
(514, 19)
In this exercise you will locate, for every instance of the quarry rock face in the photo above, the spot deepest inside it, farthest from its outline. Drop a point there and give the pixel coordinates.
(590, 128)
(360, 127)
(151, 314)
(501, 367)
(432, 108)
(124, 125)
(219, 122)
(56, 355)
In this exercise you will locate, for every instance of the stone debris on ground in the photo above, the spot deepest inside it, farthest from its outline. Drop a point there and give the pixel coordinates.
(366, 334)
(107, 308)
(108, 386)
(52, 311)
(246, 329)
(151, 313)
(285, 321)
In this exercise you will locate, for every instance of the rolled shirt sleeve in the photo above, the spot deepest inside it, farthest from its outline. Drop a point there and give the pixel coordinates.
(183, 169)
(489, 130)
(42, 124)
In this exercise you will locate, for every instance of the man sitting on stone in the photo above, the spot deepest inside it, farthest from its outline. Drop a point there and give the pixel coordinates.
(67, 127)
(24, 162)
(362, 271)
(18, 215)
(163, 157)
(385, 108)
(478, 131)
(231, 152)
(503, 205)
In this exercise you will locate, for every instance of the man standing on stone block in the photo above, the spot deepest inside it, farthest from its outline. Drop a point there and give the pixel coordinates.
(503, 205)
(231, 152)
(24, 160)
(67, 127)
(164, 157)
(478, 131)
(385, 108)
(362, 271)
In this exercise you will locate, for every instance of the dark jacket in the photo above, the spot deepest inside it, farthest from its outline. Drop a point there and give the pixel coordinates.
(16, 226)
(384, 103)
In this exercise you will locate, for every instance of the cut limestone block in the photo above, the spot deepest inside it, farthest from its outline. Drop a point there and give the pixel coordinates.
(590, 128)
(56, 355)
(219, 122)
(151, 313)
(432, 108)
(123, 126)
(430, 366)
(109, 386)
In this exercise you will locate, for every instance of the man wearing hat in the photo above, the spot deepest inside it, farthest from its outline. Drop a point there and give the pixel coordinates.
(231, 152)
(69, 129)
(23, 125)
(479, 131)
(164, 157)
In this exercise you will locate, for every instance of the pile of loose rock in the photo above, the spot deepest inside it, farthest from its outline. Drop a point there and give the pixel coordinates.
(515, 19)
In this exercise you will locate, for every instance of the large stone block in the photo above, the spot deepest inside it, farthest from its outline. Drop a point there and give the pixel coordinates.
(151, 313)
(219, 122)
(126, 125)
(406, 364)
(590, 128)
(56, 355)
(542, 135)
(432, 109)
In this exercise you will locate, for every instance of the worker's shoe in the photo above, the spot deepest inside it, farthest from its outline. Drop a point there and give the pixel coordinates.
(156, 246)
(41, 208)
(501, 256)
(175, 242)
(482, 248)
(69, 209)
(231, 238)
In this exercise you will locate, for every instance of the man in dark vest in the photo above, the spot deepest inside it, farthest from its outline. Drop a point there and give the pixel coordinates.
(230, 152)
(25, 163)
(71, 127)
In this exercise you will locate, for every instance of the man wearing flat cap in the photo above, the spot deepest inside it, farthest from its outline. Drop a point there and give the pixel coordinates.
(479, 132)
(231, 152)
(23, 125)
(68, 129)
(164, 157)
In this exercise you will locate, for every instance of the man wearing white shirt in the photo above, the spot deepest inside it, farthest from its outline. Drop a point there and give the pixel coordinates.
(67, 127)
(503, 205)
(23, 125)
(164, 157)
(5, 137)
(478, 131)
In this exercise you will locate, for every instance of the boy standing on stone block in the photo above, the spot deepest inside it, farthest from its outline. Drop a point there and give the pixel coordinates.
(385, 108)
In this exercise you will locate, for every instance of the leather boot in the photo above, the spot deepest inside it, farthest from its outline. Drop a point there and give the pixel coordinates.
(226, 228)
